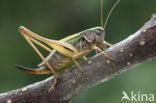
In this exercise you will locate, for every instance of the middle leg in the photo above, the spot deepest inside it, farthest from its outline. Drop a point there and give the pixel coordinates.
(79, 55)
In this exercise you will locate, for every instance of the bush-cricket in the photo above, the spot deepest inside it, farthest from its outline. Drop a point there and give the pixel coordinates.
(67, 51)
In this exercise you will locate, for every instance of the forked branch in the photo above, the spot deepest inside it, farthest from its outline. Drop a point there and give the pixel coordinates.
(136, 49)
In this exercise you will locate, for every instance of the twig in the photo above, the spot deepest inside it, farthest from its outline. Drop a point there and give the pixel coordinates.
(136, 49)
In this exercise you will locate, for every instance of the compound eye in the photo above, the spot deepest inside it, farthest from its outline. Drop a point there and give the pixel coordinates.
(98, 31)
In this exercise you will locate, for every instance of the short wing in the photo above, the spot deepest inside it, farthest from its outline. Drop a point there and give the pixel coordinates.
(72, 38)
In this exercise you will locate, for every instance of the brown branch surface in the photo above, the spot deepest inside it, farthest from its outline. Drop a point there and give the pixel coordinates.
(136, 49)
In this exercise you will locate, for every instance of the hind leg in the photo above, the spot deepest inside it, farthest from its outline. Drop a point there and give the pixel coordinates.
(28, 38)
(53, 85)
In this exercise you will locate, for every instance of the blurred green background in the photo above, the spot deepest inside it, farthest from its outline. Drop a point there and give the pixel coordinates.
(57, 19)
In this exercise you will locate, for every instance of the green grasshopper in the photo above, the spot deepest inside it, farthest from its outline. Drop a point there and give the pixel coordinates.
(67, 51)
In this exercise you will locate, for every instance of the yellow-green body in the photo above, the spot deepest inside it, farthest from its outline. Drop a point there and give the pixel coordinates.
(61, 58)
(58, 61)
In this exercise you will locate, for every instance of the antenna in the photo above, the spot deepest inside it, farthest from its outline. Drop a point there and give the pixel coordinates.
(101, 13)
(108, 14)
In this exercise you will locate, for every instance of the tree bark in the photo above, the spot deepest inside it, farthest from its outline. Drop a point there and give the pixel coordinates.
(134, 50)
